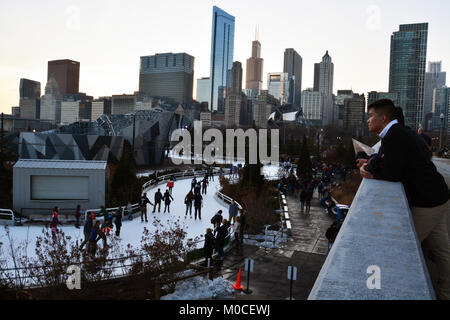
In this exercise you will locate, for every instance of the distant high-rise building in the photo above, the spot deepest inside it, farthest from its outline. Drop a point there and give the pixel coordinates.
(293, 64)
(263, 107)
(279, 86)
(236, 99)
(375, 96)
(441, 98)
(51, 102)
(434, 78)
(222, 48)
(316, 76)
(203, 90)
(354, 113)
(169, 76)
(313, 105)
(254, 74)
(326, 75)
(339, 106)
(30, 108)
(67, 75)
(123, 104)
(407, 70)
(29, 103)
(100, 106)
(29, 89)
(70, 111)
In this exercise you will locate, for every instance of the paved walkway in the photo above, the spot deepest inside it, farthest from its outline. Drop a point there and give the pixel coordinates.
(306, 250)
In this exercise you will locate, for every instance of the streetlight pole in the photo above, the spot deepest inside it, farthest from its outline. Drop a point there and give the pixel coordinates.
(442, 131)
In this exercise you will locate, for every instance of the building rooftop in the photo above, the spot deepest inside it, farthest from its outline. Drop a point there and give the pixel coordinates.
(60, 164)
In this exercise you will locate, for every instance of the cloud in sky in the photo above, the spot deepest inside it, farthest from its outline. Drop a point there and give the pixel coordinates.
(108, 37)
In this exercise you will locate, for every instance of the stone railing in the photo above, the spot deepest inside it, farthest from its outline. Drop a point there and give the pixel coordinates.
(376, 255)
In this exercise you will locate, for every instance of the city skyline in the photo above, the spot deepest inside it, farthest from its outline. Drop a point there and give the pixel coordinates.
(109, 51)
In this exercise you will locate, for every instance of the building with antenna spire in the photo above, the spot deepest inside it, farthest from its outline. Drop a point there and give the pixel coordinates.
(254, 73)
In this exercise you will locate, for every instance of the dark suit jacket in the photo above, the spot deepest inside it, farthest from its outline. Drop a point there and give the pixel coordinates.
(406, 160)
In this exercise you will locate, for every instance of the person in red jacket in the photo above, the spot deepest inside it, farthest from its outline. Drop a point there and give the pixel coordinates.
(170, 185)
(55, 221)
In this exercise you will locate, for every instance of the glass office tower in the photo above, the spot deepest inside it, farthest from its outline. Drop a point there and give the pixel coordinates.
(222, 47)
(407, 70)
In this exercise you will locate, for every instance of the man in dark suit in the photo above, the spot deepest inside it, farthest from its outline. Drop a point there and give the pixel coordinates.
(405, 159)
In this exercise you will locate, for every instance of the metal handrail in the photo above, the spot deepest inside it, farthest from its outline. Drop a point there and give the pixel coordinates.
(7, 213)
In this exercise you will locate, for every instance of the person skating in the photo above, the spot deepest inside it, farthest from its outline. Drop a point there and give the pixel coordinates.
(143, 204)
(197, 188)
(92, 245)
(170, 185)
(188, 201)
(198, 204)
(130, 211)
(77, 216)
(208, 246)
(87, 228)
(55, 221)
(167, 200)
(104, 212)
(193, 183)
(216, 220)
(118, 222)
(236, 230)
(332, 233)
(222, 232)
(232, 211)
(204, 185)
(158, 198)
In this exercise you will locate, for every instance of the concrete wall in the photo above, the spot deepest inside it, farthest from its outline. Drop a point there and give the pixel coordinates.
(22, 202)
(378, 231)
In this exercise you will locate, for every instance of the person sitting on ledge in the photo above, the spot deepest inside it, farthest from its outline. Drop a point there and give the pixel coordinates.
(405, 158)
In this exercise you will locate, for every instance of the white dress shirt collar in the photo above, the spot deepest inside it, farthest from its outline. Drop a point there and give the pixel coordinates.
(386, 129)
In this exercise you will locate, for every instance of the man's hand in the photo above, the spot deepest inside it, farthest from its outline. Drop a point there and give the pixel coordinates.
(361, 162)
(364, 173)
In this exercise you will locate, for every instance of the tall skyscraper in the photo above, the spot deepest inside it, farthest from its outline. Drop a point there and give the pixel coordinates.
(51, 101)
(67, 75)
(293, 64)
(254, 74)
(29, 103)
(441, 98)
(167, 75)
(407, 70)
(434, 79)
(29, 89)
(222, 48)
(324, 75)
(203, 90)
(316, 76)
(236, 99)
(279, 86)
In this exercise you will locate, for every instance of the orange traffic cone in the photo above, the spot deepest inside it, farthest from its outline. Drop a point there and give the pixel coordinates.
(238, 286)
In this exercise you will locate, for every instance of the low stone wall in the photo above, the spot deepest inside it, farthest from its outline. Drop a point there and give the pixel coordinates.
(376, 255)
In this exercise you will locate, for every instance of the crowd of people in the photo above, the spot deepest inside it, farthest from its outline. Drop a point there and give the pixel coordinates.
(94, 229)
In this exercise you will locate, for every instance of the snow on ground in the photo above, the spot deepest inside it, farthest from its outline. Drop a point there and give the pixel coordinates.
(201, 287)
(131, 231)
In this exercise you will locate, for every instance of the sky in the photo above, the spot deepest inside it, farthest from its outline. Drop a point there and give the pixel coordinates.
(109, 37)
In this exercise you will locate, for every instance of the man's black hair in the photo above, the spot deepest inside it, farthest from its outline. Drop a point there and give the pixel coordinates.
(384, 107)
(399, 116)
